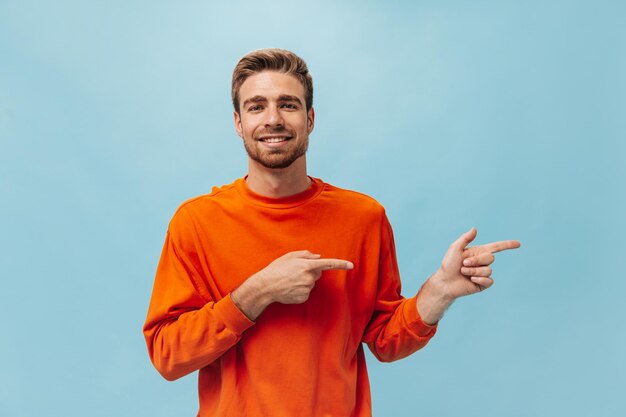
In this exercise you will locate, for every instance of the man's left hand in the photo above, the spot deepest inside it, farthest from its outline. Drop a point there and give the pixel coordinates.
(464, 271)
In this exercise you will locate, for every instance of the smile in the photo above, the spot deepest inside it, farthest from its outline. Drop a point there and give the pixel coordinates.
(275, 139)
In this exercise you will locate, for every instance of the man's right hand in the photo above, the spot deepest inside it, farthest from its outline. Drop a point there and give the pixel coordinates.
(287, 280)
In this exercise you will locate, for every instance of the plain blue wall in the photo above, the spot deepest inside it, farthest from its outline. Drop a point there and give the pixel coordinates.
(504, 115)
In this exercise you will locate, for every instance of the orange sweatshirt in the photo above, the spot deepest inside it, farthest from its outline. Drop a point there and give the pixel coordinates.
(295, 360)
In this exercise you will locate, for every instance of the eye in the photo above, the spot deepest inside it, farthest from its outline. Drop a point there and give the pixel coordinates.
(256, 107)
(290, 106)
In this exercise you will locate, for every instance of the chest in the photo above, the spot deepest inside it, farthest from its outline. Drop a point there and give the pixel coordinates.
(232, 245)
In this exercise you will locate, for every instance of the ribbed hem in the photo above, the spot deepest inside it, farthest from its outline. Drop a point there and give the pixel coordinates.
(414, 321)
(234, 319)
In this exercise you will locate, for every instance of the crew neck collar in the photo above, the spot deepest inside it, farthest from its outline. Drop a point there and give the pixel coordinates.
(315, 188)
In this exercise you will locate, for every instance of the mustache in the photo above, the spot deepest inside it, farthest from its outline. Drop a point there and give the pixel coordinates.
(279, 131)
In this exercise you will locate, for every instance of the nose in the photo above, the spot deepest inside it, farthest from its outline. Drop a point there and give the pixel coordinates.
(273, 117)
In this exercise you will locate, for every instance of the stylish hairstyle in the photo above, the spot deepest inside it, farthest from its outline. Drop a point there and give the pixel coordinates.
(272, 59)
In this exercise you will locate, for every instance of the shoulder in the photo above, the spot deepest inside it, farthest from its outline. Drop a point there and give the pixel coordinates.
(355, 201)
(204, 205)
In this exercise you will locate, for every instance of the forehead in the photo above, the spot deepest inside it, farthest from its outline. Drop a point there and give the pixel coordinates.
(270, 84)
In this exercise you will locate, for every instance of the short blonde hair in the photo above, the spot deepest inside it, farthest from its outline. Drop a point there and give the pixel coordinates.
(272, 59)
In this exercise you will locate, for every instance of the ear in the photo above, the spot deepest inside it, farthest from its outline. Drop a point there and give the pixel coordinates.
(238, 126)
(310, 118)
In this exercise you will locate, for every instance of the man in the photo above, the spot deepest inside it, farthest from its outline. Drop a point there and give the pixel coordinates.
(270, 285)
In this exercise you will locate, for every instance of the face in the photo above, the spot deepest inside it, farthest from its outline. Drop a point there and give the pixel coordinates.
(272, 119)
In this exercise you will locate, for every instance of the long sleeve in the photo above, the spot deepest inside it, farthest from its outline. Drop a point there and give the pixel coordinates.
(186, 328)
(396, 330)
(296, 359)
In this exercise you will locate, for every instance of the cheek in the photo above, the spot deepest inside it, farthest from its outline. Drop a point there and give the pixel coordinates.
(246, 128)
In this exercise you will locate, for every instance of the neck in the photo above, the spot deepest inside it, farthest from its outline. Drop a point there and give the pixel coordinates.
(278, 183)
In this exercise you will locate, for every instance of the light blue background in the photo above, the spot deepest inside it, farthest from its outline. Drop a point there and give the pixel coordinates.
(506, 115)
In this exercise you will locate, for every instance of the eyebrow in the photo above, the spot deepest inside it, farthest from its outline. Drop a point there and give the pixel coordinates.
(255, 99)
(282, 97)
(286, 97)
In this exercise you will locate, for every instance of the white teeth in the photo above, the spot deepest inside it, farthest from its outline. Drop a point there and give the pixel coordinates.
(274, 140)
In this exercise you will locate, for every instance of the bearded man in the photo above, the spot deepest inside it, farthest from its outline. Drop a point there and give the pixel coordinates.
(270, 286)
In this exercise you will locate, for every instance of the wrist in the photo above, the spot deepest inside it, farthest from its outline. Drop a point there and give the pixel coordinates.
(251, 298)
(438, 288)
(433, 300)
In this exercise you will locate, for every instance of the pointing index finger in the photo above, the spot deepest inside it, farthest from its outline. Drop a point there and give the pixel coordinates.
(330, 263)
(502, 245)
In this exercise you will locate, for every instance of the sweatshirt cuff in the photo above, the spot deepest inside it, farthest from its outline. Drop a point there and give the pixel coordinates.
(414, 321)
(232, 317)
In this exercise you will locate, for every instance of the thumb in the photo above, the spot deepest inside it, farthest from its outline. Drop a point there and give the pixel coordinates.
(465, 239)
(305, 254)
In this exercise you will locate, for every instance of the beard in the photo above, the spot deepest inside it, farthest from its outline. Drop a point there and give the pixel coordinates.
(275, 158)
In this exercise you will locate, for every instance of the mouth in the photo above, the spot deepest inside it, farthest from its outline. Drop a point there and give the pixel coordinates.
(274, 139)
(274, 142)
